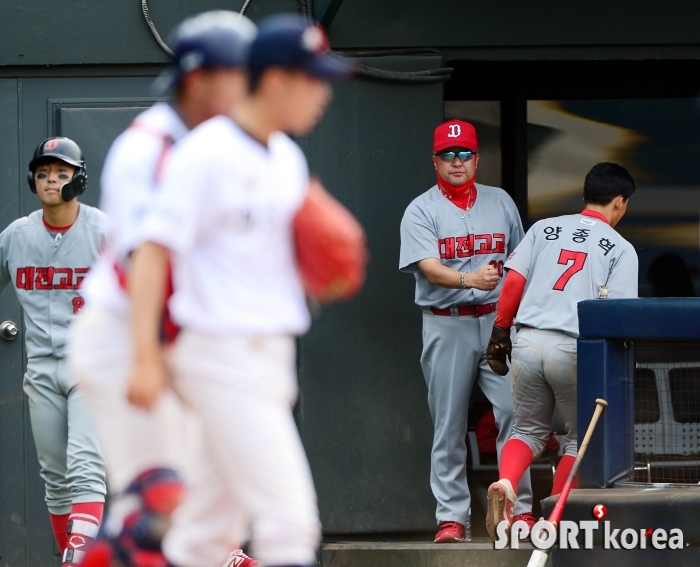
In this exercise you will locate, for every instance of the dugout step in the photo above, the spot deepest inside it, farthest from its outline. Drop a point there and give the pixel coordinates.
(478, 553)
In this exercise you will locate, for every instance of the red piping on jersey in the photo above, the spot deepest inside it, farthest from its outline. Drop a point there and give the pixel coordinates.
(463, 196)
(509, 300)
(595, 215)
(53, 228)
(169, 330)
(168, 142)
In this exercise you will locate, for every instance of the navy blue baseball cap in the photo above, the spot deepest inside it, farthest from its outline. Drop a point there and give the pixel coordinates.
(292, 41)
(211, 40)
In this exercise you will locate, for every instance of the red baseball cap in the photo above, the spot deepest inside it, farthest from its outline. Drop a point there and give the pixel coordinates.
(455, 134)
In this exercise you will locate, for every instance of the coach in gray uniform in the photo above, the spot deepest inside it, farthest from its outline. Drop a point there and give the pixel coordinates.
(45, 256)
(454, 239)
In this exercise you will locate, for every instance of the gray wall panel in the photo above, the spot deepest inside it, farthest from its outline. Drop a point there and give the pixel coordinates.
(39, 32)
(390, 23)
(12, 407)
(363, 411)
(44, 100)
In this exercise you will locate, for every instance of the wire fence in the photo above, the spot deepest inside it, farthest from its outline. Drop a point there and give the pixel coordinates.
(667, 421)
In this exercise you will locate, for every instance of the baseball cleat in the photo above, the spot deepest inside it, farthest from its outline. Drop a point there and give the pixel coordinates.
(501, 499)
(526, 517)
(239, 559)
(450, 532)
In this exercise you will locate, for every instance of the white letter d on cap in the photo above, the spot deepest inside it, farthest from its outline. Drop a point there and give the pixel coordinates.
(455, 131)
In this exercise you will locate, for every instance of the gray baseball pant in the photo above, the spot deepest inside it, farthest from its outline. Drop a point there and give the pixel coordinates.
(454, 357)
(72, 465)
(544, 374)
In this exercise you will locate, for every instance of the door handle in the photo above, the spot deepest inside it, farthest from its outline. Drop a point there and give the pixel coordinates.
(8, 331)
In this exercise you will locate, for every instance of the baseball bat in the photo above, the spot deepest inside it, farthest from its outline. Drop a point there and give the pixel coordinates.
(539, 557)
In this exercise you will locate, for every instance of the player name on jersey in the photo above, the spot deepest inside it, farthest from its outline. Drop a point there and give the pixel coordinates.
(579, 235)
(45, 279)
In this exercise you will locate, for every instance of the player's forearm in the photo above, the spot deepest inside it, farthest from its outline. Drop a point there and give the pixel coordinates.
(509, 300)
(442, 276)
(147, 282)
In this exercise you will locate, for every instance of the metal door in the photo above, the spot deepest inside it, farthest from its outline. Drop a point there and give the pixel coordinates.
(92, 111)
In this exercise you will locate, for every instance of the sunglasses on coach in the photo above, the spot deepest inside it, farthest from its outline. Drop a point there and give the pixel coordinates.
(450, 156)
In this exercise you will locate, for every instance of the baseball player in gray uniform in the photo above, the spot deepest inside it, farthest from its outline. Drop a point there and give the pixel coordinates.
(45, 256)
(454, 239)
(561, 261)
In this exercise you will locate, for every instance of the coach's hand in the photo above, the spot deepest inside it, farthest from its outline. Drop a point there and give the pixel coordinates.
(147, 382)
(485, 278)
(498, 350)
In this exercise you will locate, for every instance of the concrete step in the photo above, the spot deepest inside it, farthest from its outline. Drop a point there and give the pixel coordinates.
(478, 553)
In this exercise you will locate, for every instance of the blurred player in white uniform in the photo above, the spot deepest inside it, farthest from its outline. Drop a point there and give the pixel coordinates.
(224, 214)
(561, 261)
(144, 449)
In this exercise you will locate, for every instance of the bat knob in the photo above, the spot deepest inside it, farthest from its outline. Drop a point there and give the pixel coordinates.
(601, 402)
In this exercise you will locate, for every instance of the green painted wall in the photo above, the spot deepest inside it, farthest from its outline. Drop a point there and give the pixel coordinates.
(44, 32)
(362, 412)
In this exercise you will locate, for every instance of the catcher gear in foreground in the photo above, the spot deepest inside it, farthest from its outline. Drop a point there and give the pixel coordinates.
(498, 349)
(66, 150)
(330, 247)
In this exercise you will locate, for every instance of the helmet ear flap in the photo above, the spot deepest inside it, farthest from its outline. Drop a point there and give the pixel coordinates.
(74, 187)
(31, 181)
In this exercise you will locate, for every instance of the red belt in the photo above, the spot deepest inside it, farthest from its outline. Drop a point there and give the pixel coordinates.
(462, 310)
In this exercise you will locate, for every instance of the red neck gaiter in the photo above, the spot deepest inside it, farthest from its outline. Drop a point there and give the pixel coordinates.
(463, 196)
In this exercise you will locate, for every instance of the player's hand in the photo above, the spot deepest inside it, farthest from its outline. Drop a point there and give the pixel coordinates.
(498, 349)
(485, 278)
(147, 382)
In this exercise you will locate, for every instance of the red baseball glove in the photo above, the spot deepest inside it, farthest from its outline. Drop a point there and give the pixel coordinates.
(330, 247)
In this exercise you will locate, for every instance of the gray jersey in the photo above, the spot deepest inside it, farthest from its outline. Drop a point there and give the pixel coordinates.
(565, 259)
(433, 227)
(46, 271)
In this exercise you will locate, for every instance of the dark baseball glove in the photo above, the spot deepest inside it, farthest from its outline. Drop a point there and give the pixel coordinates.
(498, 349)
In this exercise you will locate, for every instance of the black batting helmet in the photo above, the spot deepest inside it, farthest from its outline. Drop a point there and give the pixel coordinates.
(66, 150)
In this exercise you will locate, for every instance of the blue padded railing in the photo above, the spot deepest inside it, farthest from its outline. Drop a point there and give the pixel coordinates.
(606, 367)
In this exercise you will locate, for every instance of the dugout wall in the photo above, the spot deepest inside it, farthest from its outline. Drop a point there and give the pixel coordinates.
(363, 414)
(643, 357)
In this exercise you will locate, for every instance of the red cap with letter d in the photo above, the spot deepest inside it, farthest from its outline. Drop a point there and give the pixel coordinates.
(455, 134)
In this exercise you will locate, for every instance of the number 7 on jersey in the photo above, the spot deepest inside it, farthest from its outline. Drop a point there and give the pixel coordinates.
(566, 256)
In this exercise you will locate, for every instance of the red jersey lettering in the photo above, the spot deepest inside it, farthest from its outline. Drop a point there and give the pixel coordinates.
(25, 278)
(44, 278)
(80, 276)
(446, 248)
(499, 243)
(465, 246)
(65, 278)
(483, 244)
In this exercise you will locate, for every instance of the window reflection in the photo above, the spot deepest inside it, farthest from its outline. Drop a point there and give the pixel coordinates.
(658, 141)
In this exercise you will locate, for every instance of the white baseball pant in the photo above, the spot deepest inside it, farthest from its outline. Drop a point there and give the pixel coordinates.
(133, 440)
(256, 471)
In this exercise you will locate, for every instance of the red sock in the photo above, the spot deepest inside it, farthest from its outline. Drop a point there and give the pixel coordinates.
(59, 523)
(516, 456)
(562, 473)
(83, 522)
